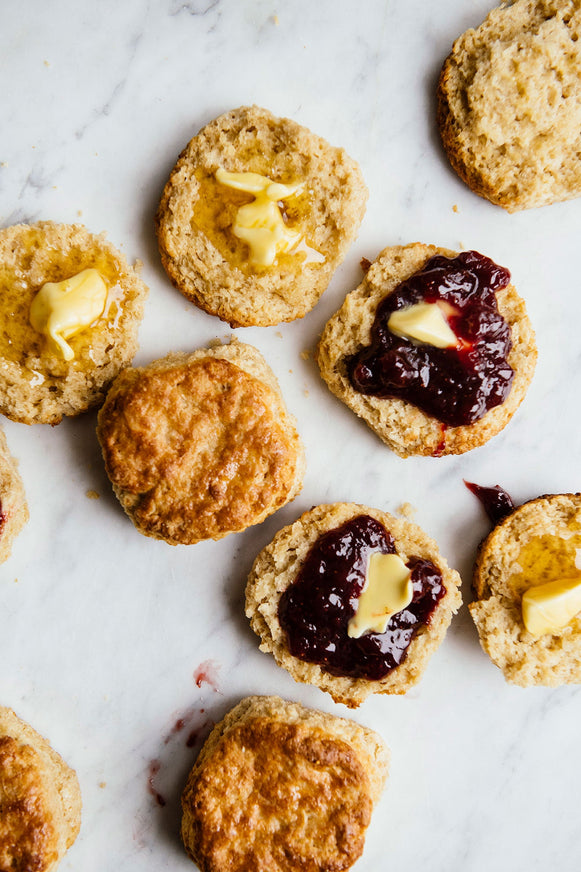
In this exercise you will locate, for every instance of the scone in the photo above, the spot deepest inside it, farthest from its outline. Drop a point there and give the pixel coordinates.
(200, 445)
(334, 611)
(509, 104)
(71, 307)
(281, 788)
(434, 350)
(13, 508)
(527, 580)
(257, 214)
(40, 800)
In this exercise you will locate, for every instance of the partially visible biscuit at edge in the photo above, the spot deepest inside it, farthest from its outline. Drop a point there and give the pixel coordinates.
(509, 104)
(13, 507)
(214, 272)
(403, 427)
(277, 566)
(278, 787)
(40, 799)
(552, 659)
(200, 445)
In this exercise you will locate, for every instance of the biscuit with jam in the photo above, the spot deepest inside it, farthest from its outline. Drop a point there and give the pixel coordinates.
(200, 445)
(40, 799)
(281, 788)
(85, 302)
(527, 580)
(256, 216)
(13, 508)
(312, 598)
(434, 350)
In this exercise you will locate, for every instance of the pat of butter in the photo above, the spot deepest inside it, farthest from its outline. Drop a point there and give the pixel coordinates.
(387, 590)
(260, 224)
(424, 322)
(62, 309)
(549, 607)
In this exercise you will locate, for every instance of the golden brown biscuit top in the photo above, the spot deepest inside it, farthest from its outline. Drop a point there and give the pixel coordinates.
(277, 796)
(203, 446)
(28, 838)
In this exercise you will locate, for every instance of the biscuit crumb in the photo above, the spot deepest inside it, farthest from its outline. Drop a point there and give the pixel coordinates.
(365, 264)
(3, 163)
(305, 355)
(92, 495)
(406, 510)
(306, 392)
(455, 208)
(278, 334)
(79, 212)
(47, 64)
(275, 20)
(102, 784)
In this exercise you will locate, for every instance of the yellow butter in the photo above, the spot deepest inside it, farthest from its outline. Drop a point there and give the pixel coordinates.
(424, 322)
(260, 224)
(547, 608)
(388, 590)
(62, 309)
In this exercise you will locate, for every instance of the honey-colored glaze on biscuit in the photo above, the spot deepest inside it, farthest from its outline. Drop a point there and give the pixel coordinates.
(198, 446)
(281, 788)
(13, 508)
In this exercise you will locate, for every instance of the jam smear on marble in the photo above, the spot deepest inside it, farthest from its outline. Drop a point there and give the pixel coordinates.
(497, 503)
(315, 610)
(455, 385)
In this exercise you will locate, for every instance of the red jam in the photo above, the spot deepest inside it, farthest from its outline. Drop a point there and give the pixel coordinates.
(497, 503)
(315, 610)
(455, 385)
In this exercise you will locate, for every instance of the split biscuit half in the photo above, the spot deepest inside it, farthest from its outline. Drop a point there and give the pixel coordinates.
(13, 507)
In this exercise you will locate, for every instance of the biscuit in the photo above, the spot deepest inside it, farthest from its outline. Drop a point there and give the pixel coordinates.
(277, 567)
(281, 788)
(537, 543)
(200, 445)
(37, 385)
(40, 799)
(210, 265)
(403, 427)
(13, 508)
(509, 104)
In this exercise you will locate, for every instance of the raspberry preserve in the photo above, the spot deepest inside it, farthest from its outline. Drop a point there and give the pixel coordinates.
(315, 610)
(496, 501)
(455, 385)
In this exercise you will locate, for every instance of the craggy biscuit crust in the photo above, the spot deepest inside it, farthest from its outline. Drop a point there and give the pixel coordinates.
(278, 787)
(276, 567)
(509, 104)
(211, 268)
(37, 386)
(200, 445)
(40, 800)
(404, 428)
(13, 508)
(524, 659)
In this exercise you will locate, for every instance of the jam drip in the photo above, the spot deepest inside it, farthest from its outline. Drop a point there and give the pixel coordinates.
(497, 503)
(455, 385)
(315, 610)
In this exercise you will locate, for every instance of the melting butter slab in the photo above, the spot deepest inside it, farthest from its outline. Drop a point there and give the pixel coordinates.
(423, 322)
(547, 608)
(388, 590)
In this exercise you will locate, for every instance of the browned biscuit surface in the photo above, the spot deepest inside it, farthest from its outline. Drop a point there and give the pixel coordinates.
(281, 788)
(277, 566)
(40, 801)
(509, 104)
(201, 254)
(404, 428)
(201, 445)
(13, 508)
(537, 543)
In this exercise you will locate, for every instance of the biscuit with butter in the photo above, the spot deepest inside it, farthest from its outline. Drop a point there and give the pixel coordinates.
(256, 216)
(527, 581)
(278, 787)
(200, 445)
(40, 799)
(13, 508)
(71, 308)
(352, 600)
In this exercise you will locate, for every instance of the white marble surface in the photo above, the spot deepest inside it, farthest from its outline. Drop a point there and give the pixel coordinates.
(101, 629)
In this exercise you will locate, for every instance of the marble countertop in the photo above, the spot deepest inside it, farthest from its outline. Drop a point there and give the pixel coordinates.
(107, 638)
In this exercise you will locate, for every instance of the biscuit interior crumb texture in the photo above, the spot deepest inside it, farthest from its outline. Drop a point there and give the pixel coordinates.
(13, 508)
(210, 265)
(277, 566)
(509, 103)
(200, 445)
(281, 788)
(40, 800)
(37, 385)
(403, 427)
(537, 543)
